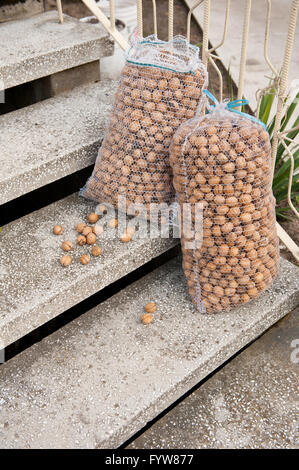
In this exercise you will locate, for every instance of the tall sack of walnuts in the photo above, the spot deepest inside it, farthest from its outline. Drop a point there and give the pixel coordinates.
(160, 87)
(222, 169)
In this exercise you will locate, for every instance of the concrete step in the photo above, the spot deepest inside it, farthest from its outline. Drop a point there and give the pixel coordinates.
(102, 377)
(251, 403)
(46, 141)
(40, 46)
(35, 288)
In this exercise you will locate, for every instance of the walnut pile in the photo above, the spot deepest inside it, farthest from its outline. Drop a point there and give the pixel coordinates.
(87, 235)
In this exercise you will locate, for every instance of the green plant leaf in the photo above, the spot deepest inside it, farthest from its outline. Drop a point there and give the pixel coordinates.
(282, 160)
(282, 195)
(290, 135)
(282, 215)
(266, 106)
(292, 107)
(284, 170)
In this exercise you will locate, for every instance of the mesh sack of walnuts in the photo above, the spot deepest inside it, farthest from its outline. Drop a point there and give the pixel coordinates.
(222, 163)
(160, 87)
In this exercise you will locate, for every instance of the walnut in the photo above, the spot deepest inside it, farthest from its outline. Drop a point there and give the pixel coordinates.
(93, 218)
(81, 240)
(151, 307)
(86, 230)
(58, 230)
(96, 250)
(84, 259)
(80, 227)
(146, 318)
(65, 260)
(67, 246)
(91, 238)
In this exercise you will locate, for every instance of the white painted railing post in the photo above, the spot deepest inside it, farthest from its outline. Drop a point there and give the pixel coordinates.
(206, 32)
(284, 77)
(170, 20)
(112, 15)
(244, 48)
(59, 9)
(155, 17)
(139, 18)
(117, 36)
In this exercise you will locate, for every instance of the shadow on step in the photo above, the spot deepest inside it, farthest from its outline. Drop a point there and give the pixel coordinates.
(41, 197)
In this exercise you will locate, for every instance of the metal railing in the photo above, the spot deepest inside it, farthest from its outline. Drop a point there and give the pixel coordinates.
(279, 78)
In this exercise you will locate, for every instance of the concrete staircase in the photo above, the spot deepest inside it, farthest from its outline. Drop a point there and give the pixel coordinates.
(99, 379)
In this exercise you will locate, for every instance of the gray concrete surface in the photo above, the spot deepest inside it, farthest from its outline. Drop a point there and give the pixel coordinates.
(251, 403)
(43, 142)
(34, 286)
(102, 377)
(40, 46)
(257, 69)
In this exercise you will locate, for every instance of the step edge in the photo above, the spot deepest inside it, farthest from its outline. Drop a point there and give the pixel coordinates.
(90, 145)
(104, 48)
(52, 308)
(81, 157)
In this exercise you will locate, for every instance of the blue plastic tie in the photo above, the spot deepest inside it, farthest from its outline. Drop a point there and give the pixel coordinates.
(231, 105)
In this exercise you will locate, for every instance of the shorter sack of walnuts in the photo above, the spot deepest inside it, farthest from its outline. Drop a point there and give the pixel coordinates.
(160, 87)
(222, 162)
